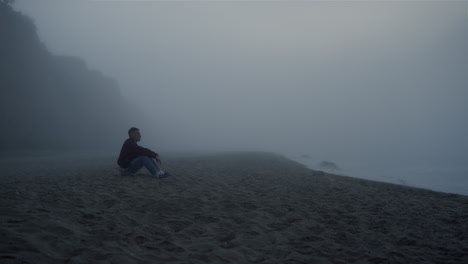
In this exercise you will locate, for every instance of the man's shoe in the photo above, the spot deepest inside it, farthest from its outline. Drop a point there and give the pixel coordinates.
(165, 175)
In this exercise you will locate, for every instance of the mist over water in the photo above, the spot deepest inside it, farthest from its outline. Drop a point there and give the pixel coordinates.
(379, 88)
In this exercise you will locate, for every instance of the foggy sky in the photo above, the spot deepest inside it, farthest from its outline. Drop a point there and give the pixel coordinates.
(335, 80)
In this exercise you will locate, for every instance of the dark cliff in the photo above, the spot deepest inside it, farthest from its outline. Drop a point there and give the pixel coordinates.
(49, 101)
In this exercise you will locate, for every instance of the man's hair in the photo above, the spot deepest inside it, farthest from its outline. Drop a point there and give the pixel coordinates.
(131, 130)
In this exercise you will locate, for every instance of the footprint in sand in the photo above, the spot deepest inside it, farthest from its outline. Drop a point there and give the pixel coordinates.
(278, 226)
(239, 219)
(201, 248)
(168, 246)
(140, 240)
(206, 219)
(109, 203)
(229, 205)
(91, 217)
(226, 240)
(195, 231)
(248, 206)
(311, 239)
(56, 229)
(178, 225)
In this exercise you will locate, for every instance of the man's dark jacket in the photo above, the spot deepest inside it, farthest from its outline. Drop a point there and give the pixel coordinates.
(131, 150)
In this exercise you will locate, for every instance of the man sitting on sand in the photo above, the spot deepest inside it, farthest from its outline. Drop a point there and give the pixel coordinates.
(133, 157)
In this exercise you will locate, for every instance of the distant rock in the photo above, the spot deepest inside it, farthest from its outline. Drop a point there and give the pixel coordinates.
(328, 165)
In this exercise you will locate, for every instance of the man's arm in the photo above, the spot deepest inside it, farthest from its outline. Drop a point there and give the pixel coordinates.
(141, 151)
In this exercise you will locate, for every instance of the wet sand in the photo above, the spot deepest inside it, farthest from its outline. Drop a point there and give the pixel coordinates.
(224, 208)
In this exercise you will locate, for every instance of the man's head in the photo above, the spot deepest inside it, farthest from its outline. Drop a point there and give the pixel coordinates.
(134, 133)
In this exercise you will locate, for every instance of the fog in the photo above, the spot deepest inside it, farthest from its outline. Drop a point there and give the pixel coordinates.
(380, 88)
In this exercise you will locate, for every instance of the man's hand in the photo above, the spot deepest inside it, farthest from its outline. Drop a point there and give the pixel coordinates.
(158, 160)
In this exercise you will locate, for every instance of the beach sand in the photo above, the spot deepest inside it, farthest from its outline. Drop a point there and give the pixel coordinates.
(224, 208)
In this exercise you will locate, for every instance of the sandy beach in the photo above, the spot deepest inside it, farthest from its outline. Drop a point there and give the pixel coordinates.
(224, 208)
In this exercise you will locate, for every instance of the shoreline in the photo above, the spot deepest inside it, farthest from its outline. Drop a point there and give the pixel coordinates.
(444, 179)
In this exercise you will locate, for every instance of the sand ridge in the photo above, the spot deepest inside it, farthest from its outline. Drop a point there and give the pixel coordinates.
(224, 208)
